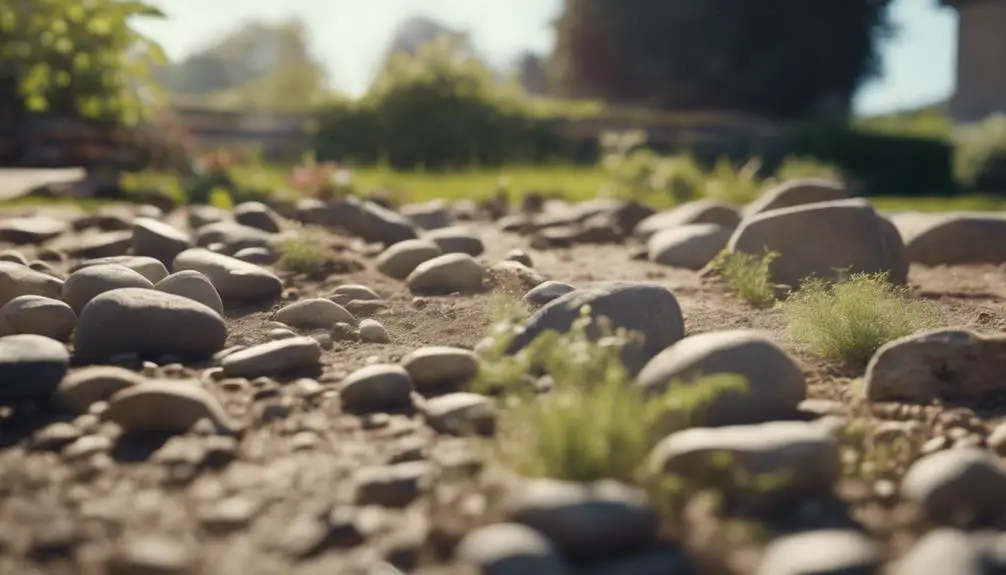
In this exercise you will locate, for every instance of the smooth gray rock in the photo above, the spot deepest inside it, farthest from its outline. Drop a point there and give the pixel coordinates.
(400, 259)
(156, 239)
(234, 279)
(146, 266)
(274, 358)
(957, 487)
(945, 364)
(775, 384)
(147, 322)
(38, 315)
(645, 308)
(440, 368)
(795, 459)
(446, 274)
(509, 549)
(85, 386)
(193, 285)
(376, 388)
(586, 521)
(85, 284)
(831, 551)
(547, 291)
(31, 367)
(17, 280)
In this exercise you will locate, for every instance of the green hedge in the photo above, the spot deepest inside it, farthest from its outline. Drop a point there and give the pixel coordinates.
(437, 111)
(887, 165)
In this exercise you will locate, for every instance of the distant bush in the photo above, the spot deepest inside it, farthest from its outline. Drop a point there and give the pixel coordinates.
(884, 164)
(435, 111)
(980, 162)
(634, 171)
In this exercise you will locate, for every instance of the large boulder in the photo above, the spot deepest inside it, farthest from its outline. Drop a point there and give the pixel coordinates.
(953, 239)
(826, 240)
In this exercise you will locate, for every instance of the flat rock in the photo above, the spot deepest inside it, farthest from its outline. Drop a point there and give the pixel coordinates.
(276, 357)
(168, 406)
(585, 521)
(313, 313)
(957, 487)
(233, 236)
(795, 193)
(85, 284)
(88, 385)
(509, 549)
(193, 285)
(257, 215)
(440, 368)
(430, 215)
(38, 315)
(775, 384)
(376, 388)
(350, 292)
(152, 554)
(234, 279)
(446, 274)
(159, 240)
(456, 240)
(648, 309)
(547, 291)
(31, 230)
(947, 364)
(822, 551)
(948, 551)
(705, 211)
(147, 322)
(395, 485)
(690, 246)
(460, 413)
(400, 259)
(802, 456)
(17, 280)
(95, 245)
(146, 266)
(31, 367)
(953, 239)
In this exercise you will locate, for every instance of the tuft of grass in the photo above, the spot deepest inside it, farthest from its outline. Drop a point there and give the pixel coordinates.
(595, 423)
(303, 254)
(748, 275)
(849, 320)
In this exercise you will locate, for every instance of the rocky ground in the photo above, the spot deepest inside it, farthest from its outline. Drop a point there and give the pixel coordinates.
(237, 417)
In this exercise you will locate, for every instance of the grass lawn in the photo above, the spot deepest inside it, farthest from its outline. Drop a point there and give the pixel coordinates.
(574, 183)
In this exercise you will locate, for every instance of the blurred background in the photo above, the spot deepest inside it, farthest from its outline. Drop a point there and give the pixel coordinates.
(901, 97)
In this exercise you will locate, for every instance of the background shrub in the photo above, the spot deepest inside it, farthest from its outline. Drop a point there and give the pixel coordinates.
(980, 161)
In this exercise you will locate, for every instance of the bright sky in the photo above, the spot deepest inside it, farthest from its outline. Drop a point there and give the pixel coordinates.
(350, 37)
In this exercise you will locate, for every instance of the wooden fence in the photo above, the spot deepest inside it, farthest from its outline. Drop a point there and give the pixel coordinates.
(43, 141)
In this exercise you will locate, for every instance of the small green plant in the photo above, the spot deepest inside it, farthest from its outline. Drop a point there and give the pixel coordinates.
(595, 423)
(303, 254)
(849, 320)
(748, 275)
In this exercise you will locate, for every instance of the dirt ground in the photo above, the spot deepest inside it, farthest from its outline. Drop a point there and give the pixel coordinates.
(251, 507)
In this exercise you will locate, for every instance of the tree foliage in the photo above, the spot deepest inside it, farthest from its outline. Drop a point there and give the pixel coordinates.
(259, 66)
(78, 58)
(786, 58)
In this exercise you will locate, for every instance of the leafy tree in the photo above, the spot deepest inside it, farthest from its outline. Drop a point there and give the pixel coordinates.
(259, 65)
(786, 58)
(78, 58)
